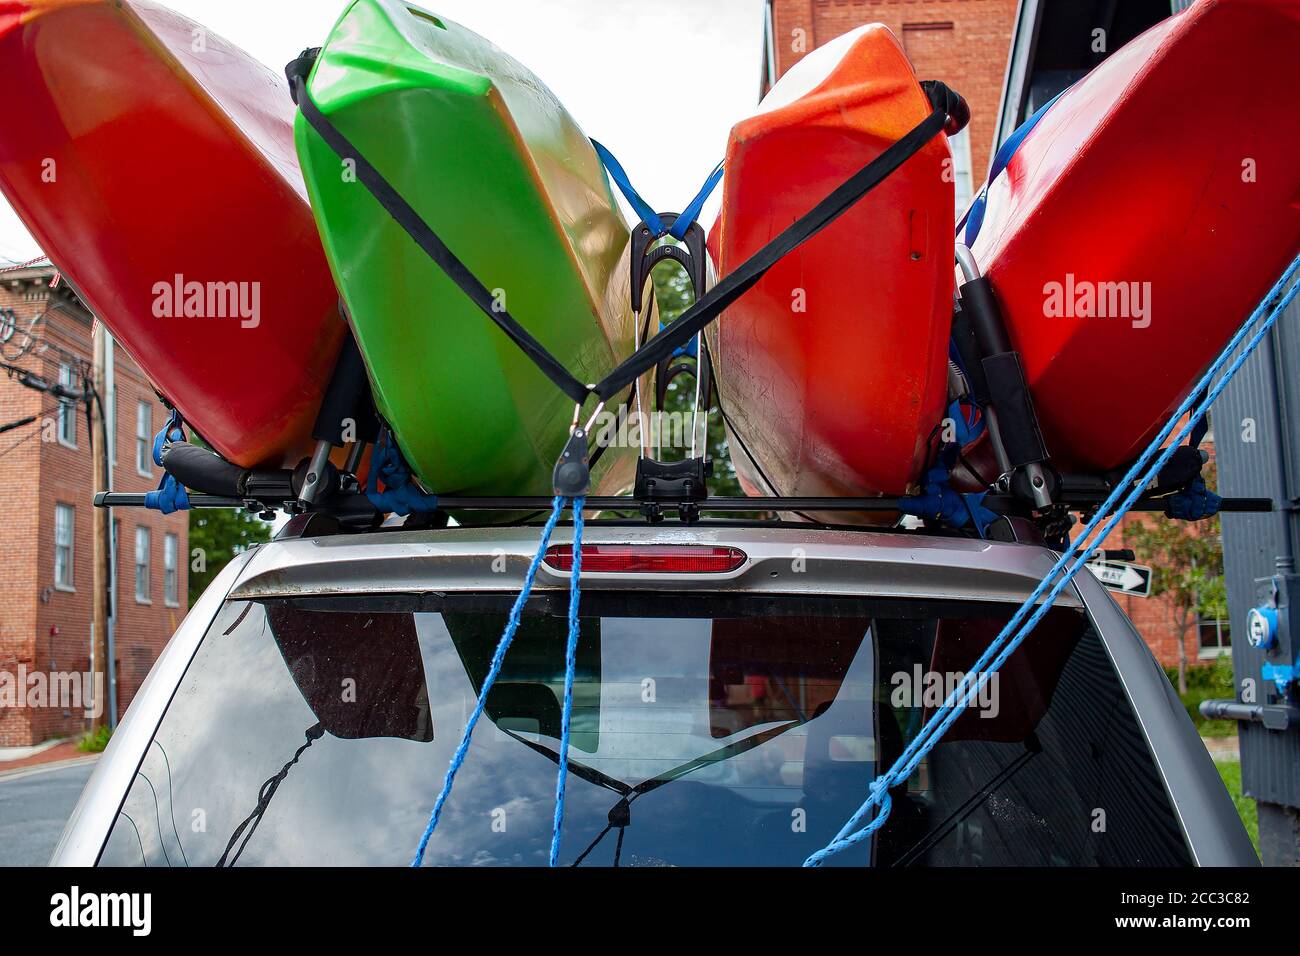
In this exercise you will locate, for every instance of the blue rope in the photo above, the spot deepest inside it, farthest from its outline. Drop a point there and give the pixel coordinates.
(401, 495)
(171, 495)
(643, 208)
(494, 671)
(1011, 636)
(498, 659)
(570, 667)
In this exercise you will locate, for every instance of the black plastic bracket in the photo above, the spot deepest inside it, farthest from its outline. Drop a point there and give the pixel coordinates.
(685, 480)
(1006, 391)
(300, 68)
(692, 255)
(347, 399)
(682, 483)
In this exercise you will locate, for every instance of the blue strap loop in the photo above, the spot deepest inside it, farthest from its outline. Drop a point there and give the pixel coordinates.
(966, 429)
(696, 205)
(621, 180)
(941, 502)
(643, 208)
(171, 495)
(974, 217)
(174, 430)
(689, 350)
(1064, 570)
(1194, 503)
(494, 671)
(401, 495)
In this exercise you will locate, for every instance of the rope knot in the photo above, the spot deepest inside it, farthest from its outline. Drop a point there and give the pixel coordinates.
(1194, 503)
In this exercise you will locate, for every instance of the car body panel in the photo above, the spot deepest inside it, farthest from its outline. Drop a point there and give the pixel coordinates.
(780, 561)
(88, 828)
(1206, 812)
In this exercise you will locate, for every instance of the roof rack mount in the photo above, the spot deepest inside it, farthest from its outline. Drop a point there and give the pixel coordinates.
(1001, 504)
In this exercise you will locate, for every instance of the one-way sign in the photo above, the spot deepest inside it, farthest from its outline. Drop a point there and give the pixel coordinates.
(1122, 577)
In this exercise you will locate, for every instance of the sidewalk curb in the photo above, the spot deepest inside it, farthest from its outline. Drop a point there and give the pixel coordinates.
(26, 753)
(46, 767)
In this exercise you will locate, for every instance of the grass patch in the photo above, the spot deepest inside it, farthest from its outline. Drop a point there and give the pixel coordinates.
(1230, 771)
(95, 741)
(1206, 682)
(1216, 728)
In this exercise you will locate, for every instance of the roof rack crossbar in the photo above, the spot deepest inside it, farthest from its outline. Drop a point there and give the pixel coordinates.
(1001, 504)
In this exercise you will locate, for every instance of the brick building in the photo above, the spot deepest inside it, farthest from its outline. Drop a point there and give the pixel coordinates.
(965, 43)
(1204, 640)
(46, 509)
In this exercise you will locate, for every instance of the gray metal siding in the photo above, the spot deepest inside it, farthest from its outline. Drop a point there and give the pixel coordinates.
(1268, 467)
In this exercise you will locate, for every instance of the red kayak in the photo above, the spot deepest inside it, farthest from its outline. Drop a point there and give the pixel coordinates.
(154, 163)
(1151, 207)
(833, 369)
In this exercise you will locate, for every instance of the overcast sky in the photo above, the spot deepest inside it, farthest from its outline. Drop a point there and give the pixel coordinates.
(603, 58)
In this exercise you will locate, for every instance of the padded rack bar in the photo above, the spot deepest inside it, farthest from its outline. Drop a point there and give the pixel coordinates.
(1001, 504)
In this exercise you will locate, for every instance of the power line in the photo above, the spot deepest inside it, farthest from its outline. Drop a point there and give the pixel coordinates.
(38, 420)
(22, 441)
(18, 424)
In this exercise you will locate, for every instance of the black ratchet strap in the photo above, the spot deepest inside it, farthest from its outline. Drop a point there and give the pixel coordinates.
(748, 274)
(419, 230)
(950, 115)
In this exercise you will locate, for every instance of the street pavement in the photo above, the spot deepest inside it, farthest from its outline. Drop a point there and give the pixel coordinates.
(34, 805)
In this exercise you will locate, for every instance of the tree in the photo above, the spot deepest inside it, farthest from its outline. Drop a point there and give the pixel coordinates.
(216, 536)
(1187, 568)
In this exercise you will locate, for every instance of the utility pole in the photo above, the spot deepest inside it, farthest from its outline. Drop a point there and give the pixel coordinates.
(101, 524)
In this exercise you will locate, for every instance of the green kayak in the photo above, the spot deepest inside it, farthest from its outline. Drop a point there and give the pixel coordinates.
(497, 167)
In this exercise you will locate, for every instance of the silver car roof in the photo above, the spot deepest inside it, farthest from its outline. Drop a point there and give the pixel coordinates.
(779, 560)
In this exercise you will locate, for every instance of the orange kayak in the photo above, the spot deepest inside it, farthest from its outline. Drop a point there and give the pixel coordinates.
(1142, 218)
(833, 368)
(154, 163)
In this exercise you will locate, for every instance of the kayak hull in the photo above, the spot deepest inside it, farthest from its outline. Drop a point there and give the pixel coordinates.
(494, 164)
(1142, 219)
(154, 163)
(833, 367)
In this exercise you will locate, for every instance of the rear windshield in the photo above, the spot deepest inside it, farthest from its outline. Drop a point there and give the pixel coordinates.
(721, 731)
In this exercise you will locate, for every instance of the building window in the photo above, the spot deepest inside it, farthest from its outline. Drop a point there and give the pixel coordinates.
(142, 566)
(64, 545)
(144, 439)
(171, 574)
(1215, 638)
(67, 408)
